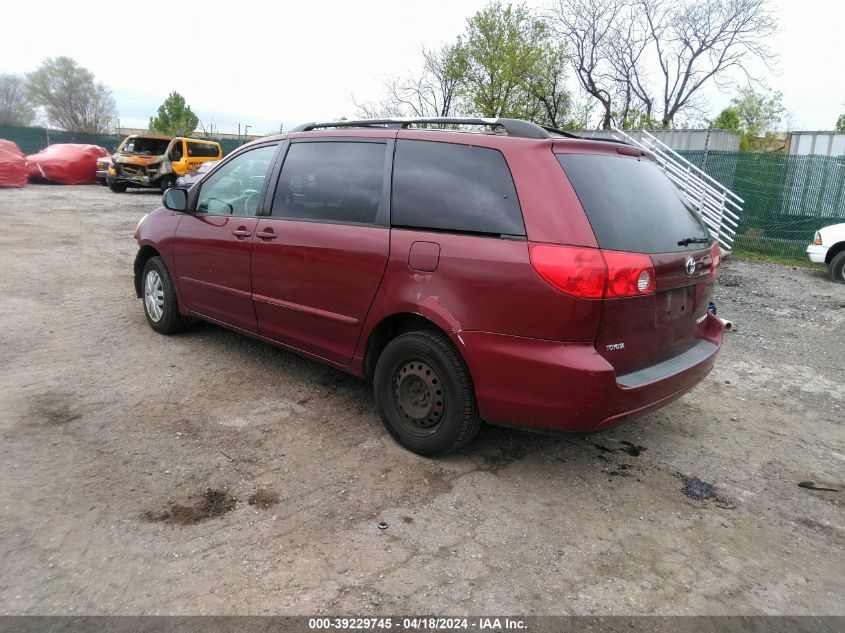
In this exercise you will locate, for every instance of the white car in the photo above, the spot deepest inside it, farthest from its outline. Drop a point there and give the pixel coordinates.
(828, 247)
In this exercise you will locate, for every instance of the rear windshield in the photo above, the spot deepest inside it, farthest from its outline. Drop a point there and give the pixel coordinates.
(632, 206)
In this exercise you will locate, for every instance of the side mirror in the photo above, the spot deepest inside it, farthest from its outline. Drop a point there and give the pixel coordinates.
(175, 199)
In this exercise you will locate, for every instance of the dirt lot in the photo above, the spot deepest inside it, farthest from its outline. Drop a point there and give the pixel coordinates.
(210, 473)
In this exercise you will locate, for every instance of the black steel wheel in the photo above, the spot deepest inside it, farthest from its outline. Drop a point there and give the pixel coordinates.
(424, 394)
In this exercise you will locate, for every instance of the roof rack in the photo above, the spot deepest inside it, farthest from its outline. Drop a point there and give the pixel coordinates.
(512, 127)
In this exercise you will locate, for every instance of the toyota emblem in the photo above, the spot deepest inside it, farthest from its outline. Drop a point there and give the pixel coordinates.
(691, 265)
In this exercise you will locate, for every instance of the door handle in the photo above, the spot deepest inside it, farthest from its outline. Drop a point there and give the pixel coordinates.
(266, 234)
(241, 232)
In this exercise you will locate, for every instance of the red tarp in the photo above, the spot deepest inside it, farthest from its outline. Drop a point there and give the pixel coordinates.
(12, 165)
(66, 163)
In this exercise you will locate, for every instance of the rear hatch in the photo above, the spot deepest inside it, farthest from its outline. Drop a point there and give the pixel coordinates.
(639, 216)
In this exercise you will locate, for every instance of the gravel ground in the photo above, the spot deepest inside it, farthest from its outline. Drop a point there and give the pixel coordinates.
(208, 473)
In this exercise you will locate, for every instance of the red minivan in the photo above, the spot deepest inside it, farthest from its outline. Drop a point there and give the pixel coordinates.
(511, 274)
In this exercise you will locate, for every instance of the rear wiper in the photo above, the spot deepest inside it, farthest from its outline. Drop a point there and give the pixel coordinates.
(694, 240)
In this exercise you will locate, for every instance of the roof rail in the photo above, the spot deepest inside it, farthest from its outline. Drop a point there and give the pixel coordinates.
(513, 127)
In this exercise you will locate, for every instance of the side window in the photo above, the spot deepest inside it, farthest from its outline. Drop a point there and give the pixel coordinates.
(331, 181)
(176, 151)
(235, 188)
(445, 186)
(202, 150)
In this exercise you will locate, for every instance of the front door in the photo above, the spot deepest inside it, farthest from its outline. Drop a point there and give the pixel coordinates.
(317, 261)
(212, 245)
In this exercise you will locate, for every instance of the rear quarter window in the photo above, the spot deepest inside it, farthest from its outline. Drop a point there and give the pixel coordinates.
(632, 205)
(452, 187)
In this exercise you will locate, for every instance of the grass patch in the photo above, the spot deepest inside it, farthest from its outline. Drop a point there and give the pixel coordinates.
(776, 259)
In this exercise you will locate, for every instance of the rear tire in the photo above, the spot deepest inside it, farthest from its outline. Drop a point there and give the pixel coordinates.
(424, 394)
(836, 270)
(118, 187)
(161, 306)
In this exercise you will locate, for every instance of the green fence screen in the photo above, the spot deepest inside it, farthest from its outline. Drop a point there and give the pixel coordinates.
(34, 139)
(787, 198)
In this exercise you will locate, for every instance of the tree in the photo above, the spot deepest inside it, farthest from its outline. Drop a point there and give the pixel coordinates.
(71, 98)
(702, 40)
(649, 59)
(549, 101)
(503, 48)
(759, 111)
(589, 28)
(728, 119)
(174, 117)
(431, 93)
(754, 114)
(840, 123)
(15, 105)
(504, 65)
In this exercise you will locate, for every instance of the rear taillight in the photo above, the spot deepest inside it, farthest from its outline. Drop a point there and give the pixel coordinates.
(580, 272)
(590, 273)
(628, 274)
(715, 260)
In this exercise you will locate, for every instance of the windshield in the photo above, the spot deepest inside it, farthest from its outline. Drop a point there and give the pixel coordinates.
(632, 205)
(147, 146)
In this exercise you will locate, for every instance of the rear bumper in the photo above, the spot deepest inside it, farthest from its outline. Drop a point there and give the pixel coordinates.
(817, 253)
(569, 386)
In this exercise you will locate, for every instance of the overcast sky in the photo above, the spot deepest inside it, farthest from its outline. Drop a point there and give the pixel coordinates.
(271, 63)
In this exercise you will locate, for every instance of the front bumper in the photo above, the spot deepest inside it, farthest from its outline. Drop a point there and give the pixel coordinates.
(570, 386)
(817, 253)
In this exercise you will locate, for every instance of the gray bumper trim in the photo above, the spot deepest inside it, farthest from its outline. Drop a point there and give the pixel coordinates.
(669, 367)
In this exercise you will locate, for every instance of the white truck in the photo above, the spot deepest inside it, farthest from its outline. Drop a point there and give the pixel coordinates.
(828, 247)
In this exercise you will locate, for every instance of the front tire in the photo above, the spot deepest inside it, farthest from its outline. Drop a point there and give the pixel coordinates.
(160, 304)
(166, 182)
(118, 187)
(836, 270)
(424, 394)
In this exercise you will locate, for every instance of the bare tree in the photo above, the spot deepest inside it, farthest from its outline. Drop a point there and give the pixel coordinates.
(434, 92)
(647, 60)
(627, 51)
(71, 98)
(589, 28)
(384, 109)
(701, 40)
(15, 106)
